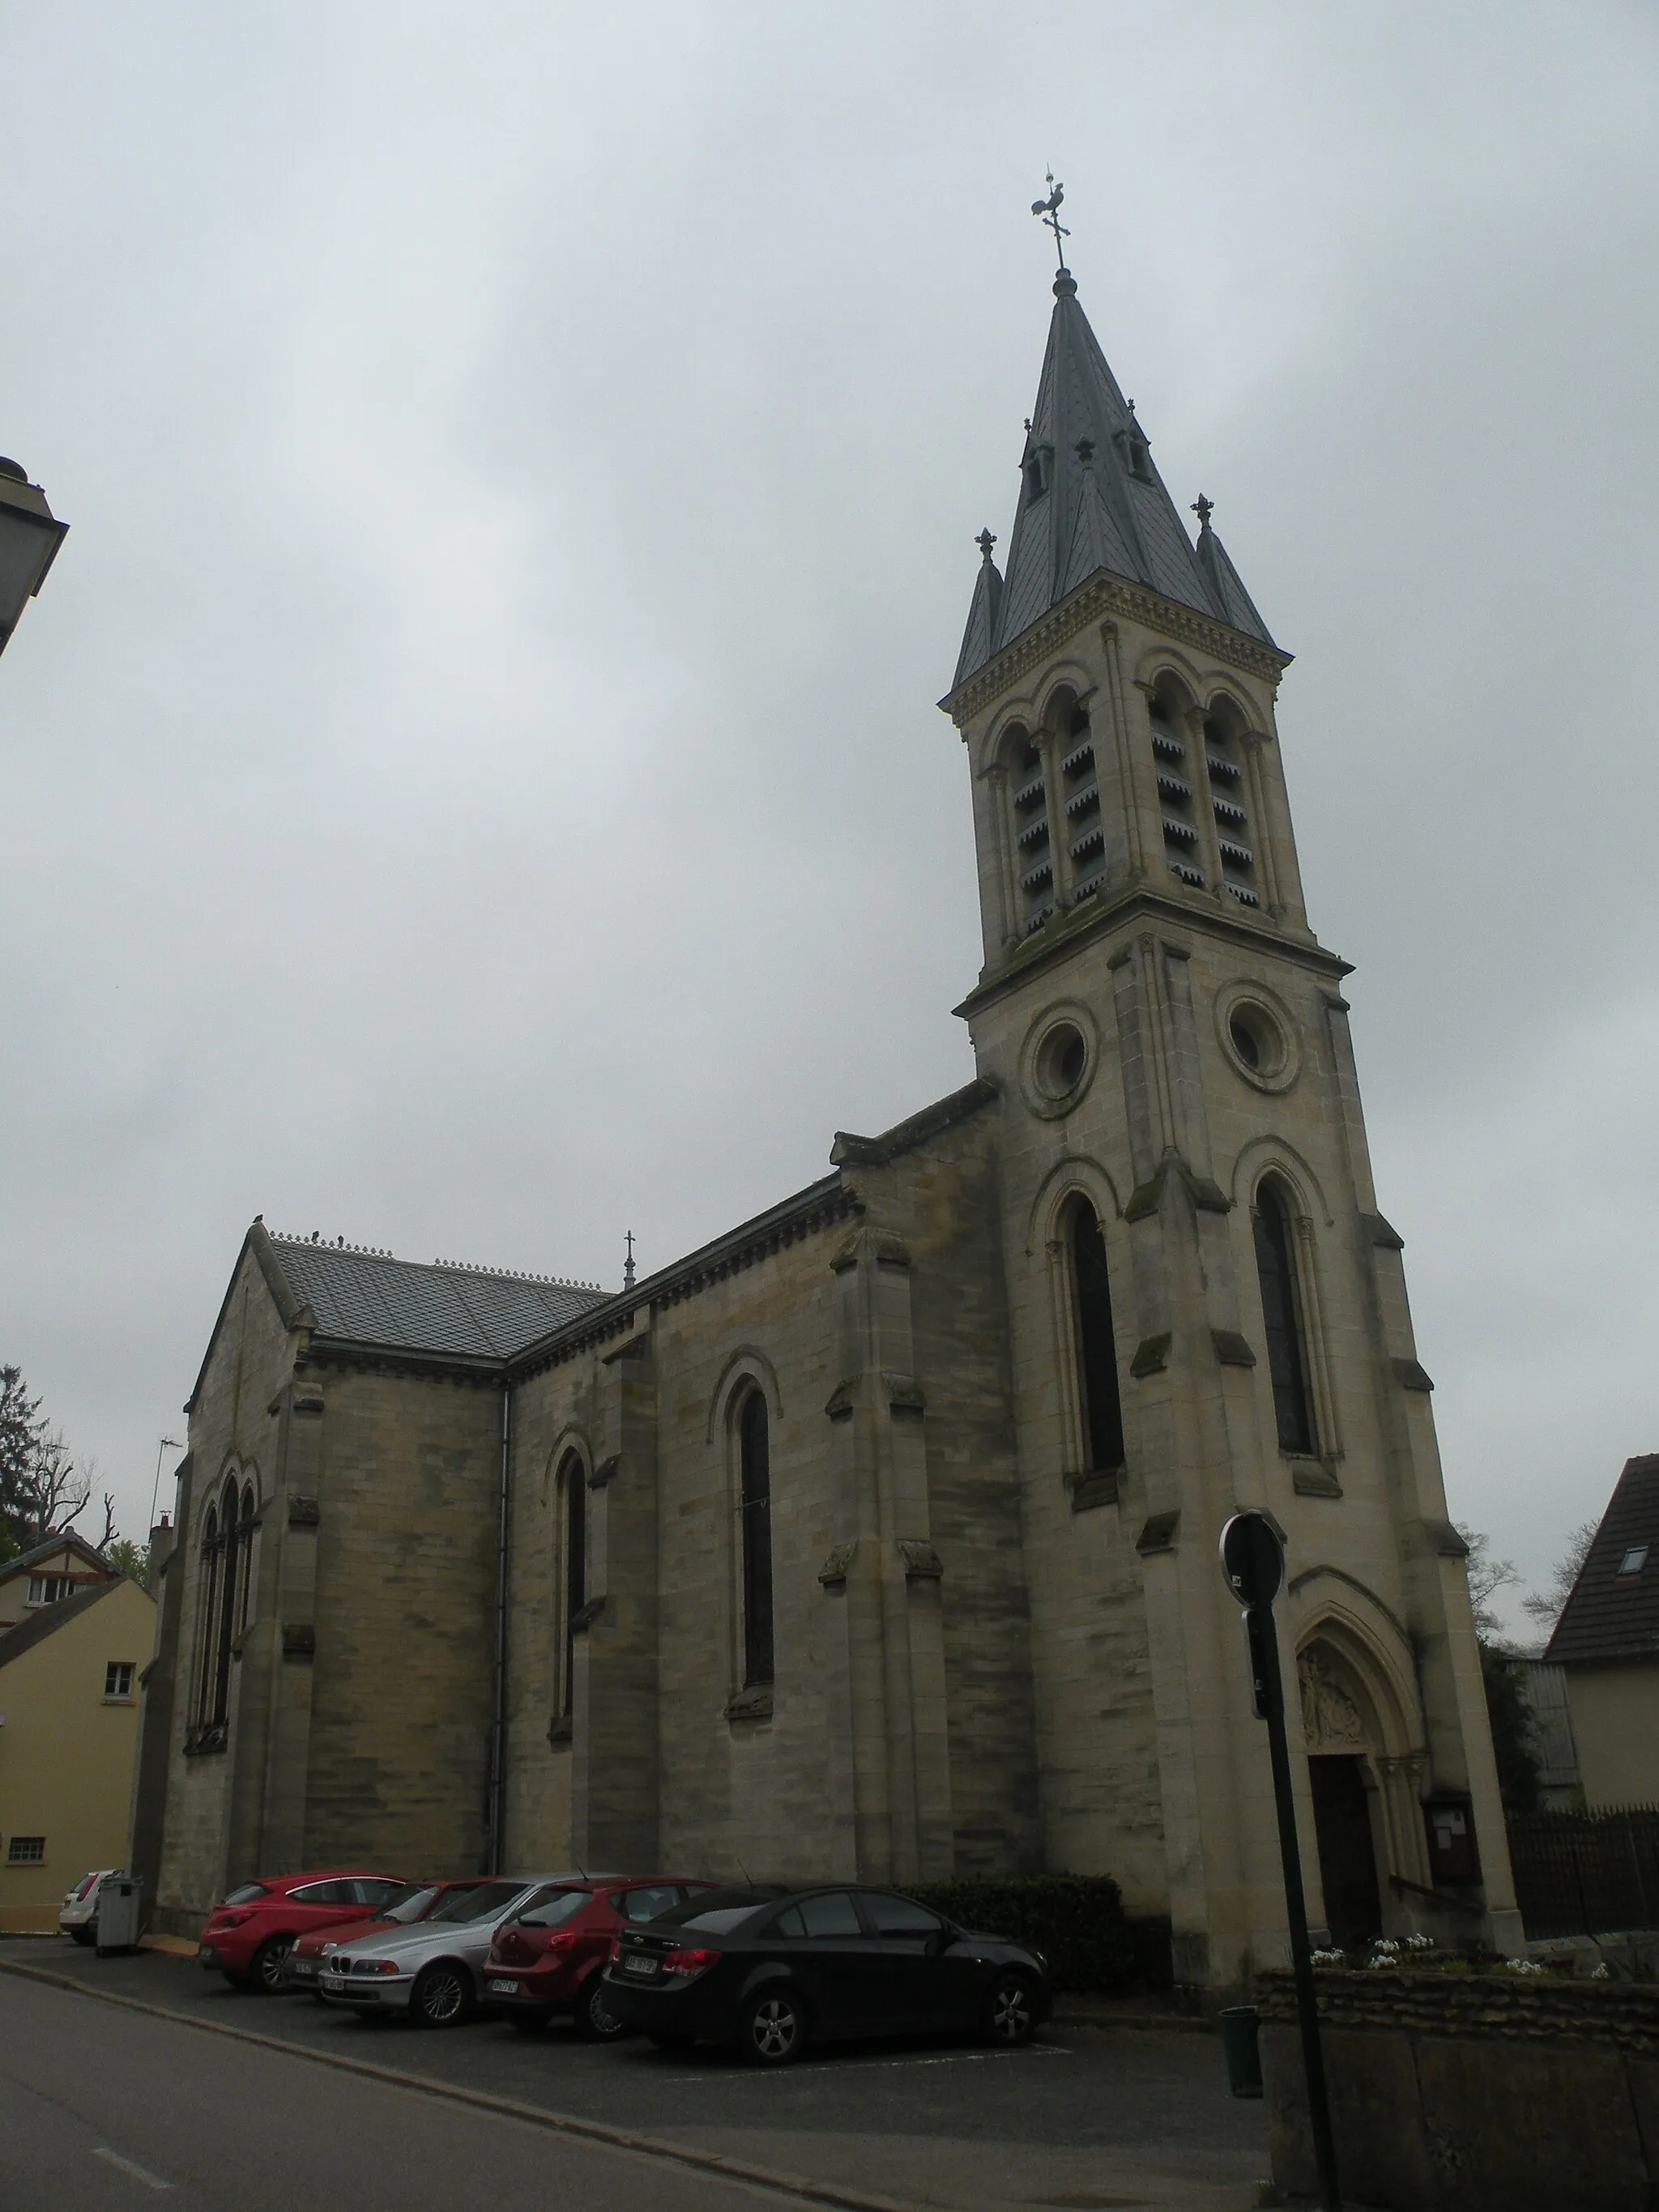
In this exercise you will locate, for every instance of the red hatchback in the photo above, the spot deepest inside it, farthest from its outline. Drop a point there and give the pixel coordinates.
(252, 1933)
(553, 1956)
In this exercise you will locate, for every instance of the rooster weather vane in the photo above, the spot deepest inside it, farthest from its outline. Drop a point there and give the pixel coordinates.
(1050, 210)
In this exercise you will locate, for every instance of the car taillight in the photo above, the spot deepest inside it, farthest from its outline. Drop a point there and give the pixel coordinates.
(231, 1920)
(563, 1942)
(615, 1948)
(689, 1964)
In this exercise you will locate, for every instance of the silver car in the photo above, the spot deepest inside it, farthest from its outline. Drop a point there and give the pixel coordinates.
(431, 1971)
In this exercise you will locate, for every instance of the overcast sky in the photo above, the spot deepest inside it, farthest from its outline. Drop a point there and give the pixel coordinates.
(472, 780)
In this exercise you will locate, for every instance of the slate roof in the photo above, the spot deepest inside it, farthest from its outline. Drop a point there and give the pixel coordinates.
(1102, 507)
(15, 1642)
(1609, 1615)
(370, 1298)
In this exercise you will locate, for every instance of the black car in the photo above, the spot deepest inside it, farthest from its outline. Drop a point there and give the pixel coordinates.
(772, 1969)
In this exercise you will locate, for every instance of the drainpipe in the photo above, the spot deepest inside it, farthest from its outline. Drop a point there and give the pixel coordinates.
(498, 1725)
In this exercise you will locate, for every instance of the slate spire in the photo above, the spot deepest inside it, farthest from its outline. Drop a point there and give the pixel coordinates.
(1092, 498)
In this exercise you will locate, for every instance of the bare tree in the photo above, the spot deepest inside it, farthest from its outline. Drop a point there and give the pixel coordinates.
(1487, 1576)
(1545, 1606)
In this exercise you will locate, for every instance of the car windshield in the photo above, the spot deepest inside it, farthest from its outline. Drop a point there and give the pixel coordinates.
(551, 1908)
(481, 1903)
(409, 1903)
(249, 1893)
(86, 1887)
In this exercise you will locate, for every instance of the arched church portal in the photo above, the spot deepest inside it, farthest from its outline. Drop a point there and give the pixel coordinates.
(1365, 1772)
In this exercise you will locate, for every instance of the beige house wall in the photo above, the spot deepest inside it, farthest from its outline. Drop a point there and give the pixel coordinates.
(66, 1753)
(1615, 1725)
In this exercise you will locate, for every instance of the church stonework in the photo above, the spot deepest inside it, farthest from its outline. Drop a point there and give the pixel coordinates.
(879, 1539)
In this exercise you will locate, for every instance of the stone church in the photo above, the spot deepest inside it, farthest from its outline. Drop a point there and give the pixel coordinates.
(879, 1538)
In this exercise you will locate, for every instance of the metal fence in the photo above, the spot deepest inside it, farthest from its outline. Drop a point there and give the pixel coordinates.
(1587, 1874)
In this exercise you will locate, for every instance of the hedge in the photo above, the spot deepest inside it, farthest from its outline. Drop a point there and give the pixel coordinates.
(1077, 1921)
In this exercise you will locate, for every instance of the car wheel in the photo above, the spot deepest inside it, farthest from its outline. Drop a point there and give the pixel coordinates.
(530, 2019)
(442, 1998)
(1011, 2014)
(595, 2022)
(83, 1934)
(772, 2029)
(268, 1961)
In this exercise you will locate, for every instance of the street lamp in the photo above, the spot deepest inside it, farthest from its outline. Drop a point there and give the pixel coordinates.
(29, 539)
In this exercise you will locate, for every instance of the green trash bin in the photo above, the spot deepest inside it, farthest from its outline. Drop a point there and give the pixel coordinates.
(1241, 2028)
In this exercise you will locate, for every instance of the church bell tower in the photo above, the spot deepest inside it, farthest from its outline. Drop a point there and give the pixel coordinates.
(1208, 1310)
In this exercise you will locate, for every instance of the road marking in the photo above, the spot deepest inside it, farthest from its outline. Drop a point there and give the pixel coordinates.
(856, 2065)
(138, 2172)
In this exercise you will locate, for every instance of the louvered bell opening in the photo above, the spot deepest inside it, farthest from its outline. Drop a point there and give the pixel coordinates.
(1034, 863)
(1175, 795)
(1226, 773)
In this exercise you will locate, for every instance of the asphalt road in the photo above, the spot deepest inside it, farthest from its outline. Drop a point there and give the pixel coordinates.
(1084, 2119)
(103, 2110)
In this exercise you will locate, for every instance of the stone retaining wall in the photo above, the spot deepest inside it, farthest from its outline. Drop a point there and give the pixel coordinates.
(1487, 2093)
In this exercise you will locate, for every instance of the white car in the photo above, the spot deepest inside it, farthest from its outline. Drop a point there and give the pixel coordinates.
(432, 1971)
(78, 1914)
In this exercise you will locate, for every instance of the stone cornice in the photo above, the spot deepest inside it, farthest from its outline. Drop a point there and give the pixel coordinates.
(396, 1360)
(1063, 935)
(1106, 594)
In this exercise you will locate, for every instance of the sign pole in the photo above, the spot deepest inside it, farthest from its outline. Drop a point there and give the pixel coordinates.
(1254, 1562)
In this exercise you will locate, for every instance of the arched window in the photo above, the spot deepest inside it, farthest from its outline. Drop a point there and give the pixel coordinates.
(1224, 766)
(756, 1519)
(207, 1612)
(225, 1626)
(1182, 847)
(1034, 859)
(245, 1538)
(1100, 1403)
(572, 1479)
(1282, 1317)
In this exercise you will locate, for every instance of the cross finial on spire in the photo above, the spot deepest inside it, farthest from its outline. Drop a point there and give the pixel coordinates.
(1050, 210)
(628, 1264)
(985, 541)
(1203, 508)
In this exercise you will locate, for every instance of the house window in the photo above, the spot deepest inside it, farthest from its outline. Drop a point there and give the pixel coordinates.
(1102, 1404)
(118, 1677)
(49, 1590)
(27, 1851)
(574, 1479)
(754, 1450)
(1281, 1315)
(1634, 1560)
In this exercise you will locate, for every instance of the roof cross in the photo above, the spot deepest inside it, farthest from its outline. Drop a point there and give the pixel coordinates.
(628, 1264)
(1050, 210)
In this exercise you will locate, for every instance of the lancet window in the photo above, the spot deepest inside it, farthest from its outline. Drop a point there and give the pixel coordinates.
(1284, 1310)
(1086, 834)
(1229, 789)
(1182, 846)
(224, 1580)
(573, 1540)
(1034, 859)
(1100, 1398)
(755, 1538)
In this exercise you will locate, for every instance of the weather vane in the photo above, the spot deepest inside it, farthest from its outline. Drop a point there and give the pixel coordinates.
(1050, 210)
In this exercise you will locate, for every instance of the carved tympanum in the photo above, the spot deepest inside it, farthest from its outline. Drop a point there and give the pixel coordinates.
(1331, 1721)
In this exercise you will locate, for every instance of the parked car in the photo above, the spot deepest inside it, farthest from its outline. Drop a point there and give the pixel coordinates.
(249, 1935)
(78, 1914)
(432, 1971)
(303, 1966)
(771, 1971)
(551, 1955)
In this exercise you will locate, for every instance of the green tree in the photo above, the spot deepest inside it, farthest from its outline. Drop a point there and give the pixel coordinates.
(131, 1558)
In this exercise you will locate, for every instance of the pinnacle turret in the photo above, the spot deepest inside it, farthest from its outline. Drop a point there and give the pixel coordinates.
(1091, 498)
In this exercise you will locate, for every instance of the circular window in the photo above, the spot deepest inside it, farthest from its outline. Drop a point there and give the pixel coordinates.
(1058, 1062)
(1061, 1059)
(1259, 1038)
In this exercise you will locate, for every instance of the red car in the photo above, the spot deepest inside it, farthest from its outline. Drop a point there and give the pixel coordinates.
(551, 1958)
(251, 1933)
(302, 1967)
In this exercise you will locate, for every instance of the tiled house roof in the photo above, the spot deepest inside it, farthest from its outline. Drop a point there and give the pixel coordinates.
(1613, 1612)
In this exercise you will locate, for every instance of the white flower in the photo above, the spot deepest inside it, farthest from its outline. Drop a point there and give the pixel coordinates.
(1419, 1942)
(1330, 1958)
(1523, 1966)
(1385, 1943)
(1600, 1973)
(1381, 1960)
